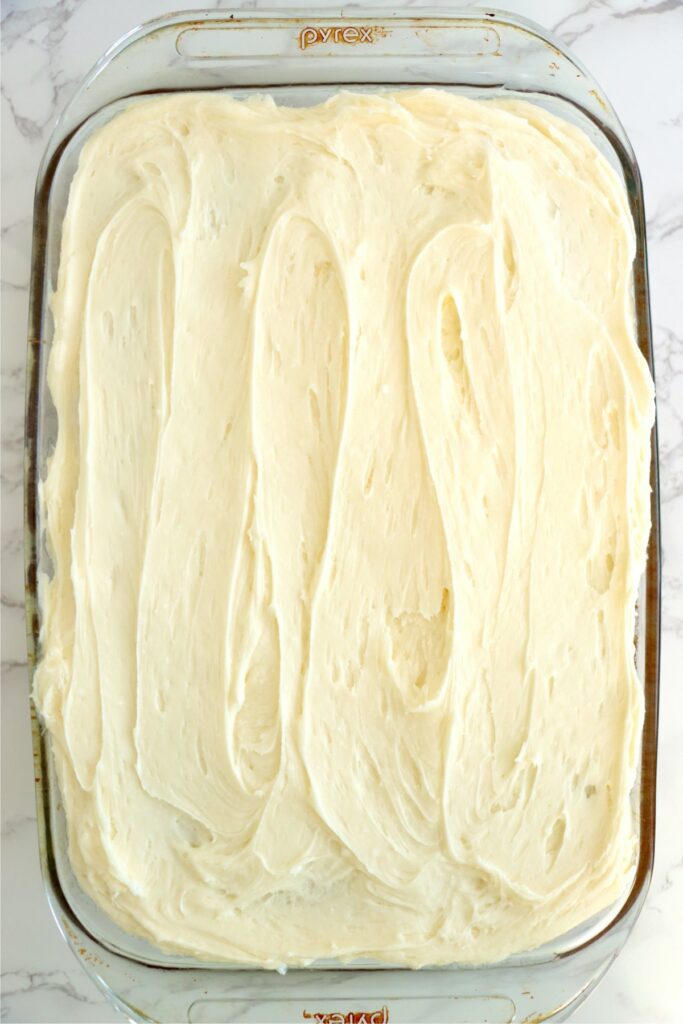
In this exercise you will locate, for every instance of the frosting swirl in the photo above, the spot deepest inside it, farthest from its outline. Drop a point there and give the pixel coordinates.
(348, 509)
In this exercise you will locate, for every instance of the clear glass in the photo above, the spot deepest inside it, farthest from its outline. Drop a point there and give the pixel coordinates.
(300, 59)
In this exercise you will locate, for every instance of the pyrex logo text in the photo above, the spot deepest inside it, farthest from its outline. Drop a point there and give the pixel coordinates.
(349, 34)
(363, 1017)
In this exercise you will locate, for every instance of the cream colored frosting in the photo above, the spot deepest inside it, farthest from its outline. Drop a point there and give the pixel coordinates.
(348, 509)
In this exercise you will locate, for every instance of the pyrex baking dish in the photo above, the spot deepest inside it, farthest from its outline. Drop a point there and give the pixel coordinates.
(301, 59)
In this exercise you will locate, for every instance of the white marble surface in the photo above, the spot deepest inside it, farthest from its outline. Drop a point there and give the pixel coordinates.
(635, 49)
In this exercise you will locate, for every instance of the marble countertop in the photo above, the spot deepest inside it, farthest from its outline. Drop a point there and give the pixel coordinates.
(634, 48)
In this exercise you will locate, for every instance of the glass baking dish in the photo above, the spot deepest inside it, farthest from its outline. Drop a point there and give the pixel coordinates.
(300, 58)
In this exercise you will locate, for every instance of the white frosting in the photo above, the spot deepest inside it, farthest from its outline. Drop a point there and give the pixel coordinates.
(348, 509)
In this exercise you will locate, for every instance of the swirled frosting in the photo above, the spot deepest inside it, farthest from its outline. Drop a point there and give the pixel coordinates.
(348, 508)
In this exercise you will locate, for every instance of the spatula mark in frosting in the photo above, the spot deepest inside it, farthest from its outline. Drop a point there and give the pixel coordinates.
(112, 547)
(300, 360)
